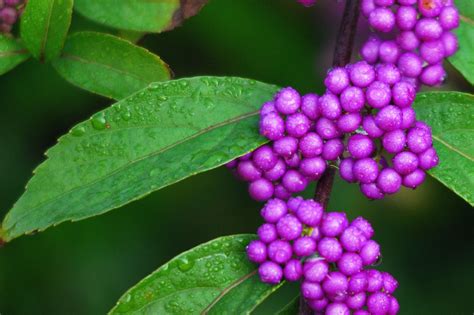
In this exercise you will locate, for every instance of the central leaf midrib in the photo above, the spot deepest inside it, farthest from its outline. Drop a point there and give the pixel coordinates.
(127, 165)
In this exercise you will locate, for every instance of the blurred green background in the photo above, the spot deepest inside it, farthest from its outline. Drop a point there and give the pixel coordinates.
(83, 268)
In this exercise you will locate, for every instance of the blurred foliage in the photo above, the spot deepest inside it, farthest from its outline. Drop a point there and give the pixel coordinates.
(83, 268)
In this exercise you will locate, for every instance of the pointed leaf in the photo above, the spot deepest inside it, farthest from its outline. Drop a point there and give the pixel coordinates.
(451, 117)
(108, 65)
(44, 26)
(12, 53)
(139, 15)
(152, 139)
(212, 278)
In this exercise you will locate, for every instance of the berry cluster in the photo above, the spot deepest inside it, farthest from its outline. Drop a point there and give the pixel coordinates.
(423, 37)
(10, 10)
(298, 241)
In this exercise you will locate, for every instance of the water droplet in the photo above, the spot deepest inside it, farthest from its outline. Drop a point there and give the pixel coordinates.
(185, 265)
(78, 131)
(126, 115)
(127, 299)
(99, 122)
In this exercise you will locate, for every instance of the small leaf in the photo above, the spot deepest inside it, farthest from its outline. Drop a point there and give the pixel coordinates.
(212, 278)
(451, 117)
(108, 65)
(463, 60)
(139, 15)
(152, 139)
(291, 308)
(44, 26)
(12, 53)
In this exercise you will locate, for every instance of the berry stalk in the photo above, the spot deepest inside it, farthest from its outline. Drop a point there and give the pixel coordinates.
(342, 56)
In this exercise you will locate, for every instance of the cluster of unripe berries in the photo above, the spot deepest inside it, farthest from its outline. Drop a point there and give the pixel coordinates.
(329, 254)
(420, 37)
(10, 11)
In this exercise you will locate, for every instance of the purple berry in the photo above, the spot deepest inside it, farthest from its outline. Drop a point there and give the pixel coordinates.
(281, 192)
(337, 80)
(318, 305)
(310, 212)
(333, 149)
(335, 283)
(286, 146)
(313, 168)
(358, 282)
(394, 141)
(264, 158)
(371, 191)
(419, 140)
(405, 162)
(315, 270)
(370, 252)
(410, 64)
(8, 15)
(274, 210)
(390, 284)
(326, 128)
(330, 249)
(329, 106)
(297, 125)
(261, 189)
(267, 108)
(247, 171)
(369, 125)
(389, 118)
(430, 8)
(450, 43)
(277, 171)
(388, 73)
(389, 51)
(374, 280)
(337, 308)
(394, 306)
(279, 251)
(414, 179)
(433, 75)
(293, 270)
(432, 52)
(367, 6)
(352, 239)
(378, 94)
(349, 264)
(389, 181)
(370, 50)
(360, 146)
(349, 122)
(304, 246)
(293, 161)
(352, 99)
(257, 251)
(356, 301)
(408, 40)
(403, 94)
(449, 18)
(408, 117)
(334, 223)
(362, 74)
(428, 159)
(270, 272)
(406, 17)
(287, 101)
(309, 106)
(267, 233)
(363, 225)
(294, 202)
(272, 126)
(345, 170)
(365, 170)
(311, 145)
(311, 291)
(378, 303)
(289, 227)
(428, 29)
(294, 181)
(382, 19)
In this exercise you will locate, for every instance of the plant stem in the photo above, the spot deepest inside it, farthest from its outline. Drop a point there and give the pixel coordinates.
(342, 56)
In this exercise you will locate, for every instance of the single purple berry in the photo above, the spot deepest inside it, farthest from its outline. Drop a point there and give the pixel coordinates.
(310, 212)
(286, 146)
(371, 191)
(289, 227)
(279, 251)
(428, 159)
(408, 40)
(419, 140)
(337, 308)
(312, 291)
(406, 17)
(365, 170)
(367, 6)
(287, 101)
(410, 64)
(313, 168)
(309, 106)
(330, 249)
(304, 246)
(405, 162)
(315, 270)
(390, 284)
(388, 73)
(294, 181)
(349, 122)
(274, 210)
(389, 118)
(363, 225)
(264, 158)
(403, 94)
(370, 252)
(362, 74)
(335, 283)
(297, 125)
(337, 80)
(408, 118)
(293, 270)
(433, 75)
(272, 126)
(267, 108)
(360, 146)
(293, 161)
(414, 179)
(334, 223)
(394, 306)
(270, 272)
(261, 189)
(394, 141)
(450, 43)
(356, 301)
(257, 251)
(349, 264)
(378, 94)
(352, 239)
(370, 50)
(267, 233)
(326, 128)
(329, 106)
(369, 125)
(311, 145)
(433, 51)
(430, 8)
(281, 192)
(389, 181)
(378, 303)
(247, 171)
(374, 280)
(318, 305)
(389, 52)
(449, 18)
(333, 149)
(345, 170)
(277, 171)
(382, 20)
(428, 29)
(358, 282)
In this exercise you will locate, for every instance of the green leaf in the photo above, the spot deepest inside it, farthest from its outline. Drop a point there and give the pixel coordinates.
(44, 26)
(451, 117)
(108, 65)
(291, 308)
(12, 53)
(152, 139)
(139, 15)
(463, 60)
(212, 278)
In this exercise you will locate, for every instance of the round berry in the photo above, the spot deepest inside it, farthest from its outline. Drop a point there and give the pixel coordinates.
(367, 6)
(311, 145)
(247, 171)
(345, 170)
(433, 75)
(304, 246)
(337, 308)
(337, 80)
(310, 212)
(362, 74)
(264, 158)
(370, 252)
(378, 303)
(432, 52)
(270, 272)
(408, 40)
(289, 227)
(410, 64)
(297, 125)
(277, 171)
(309, 106)
(294, 181)
(311, 291)
(394, 141)
(419, 140)
(287, 101)
(279, 251)
(272, 126)
(414, 179)
(281, 192)
(389, 181)
(261, 189)
(428, 159)
(286, 146)
(326, 128)
(315, 270)
(334, 223)
(363, 225)
(389, 118)
(371, 191)
(378, 94)
(370, 50)
(267, 108)
(333, 149)
(294, 202)
(389, 51)
(313, 168)
(450, 43)
(318, 305)
(330, 249)
(329, 106)
(390, 284)
(405, 162)
(369, 125)
(428, 29)
(274, 210)
(267, 233)
(365, 170)
(388, 73)
(360, 146)
(8, 15)
(293, 161)
(356, 301)
(430, 8)
(394, 306)
(358, 283)
(374, 280)
(352, 99)
(352, 239)
(408, 117)
(257, 251)
(403, 94)
(382, 19)
(335, 283)
(349, 264)
(293, 270)
(406, 17)
(449, 18)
